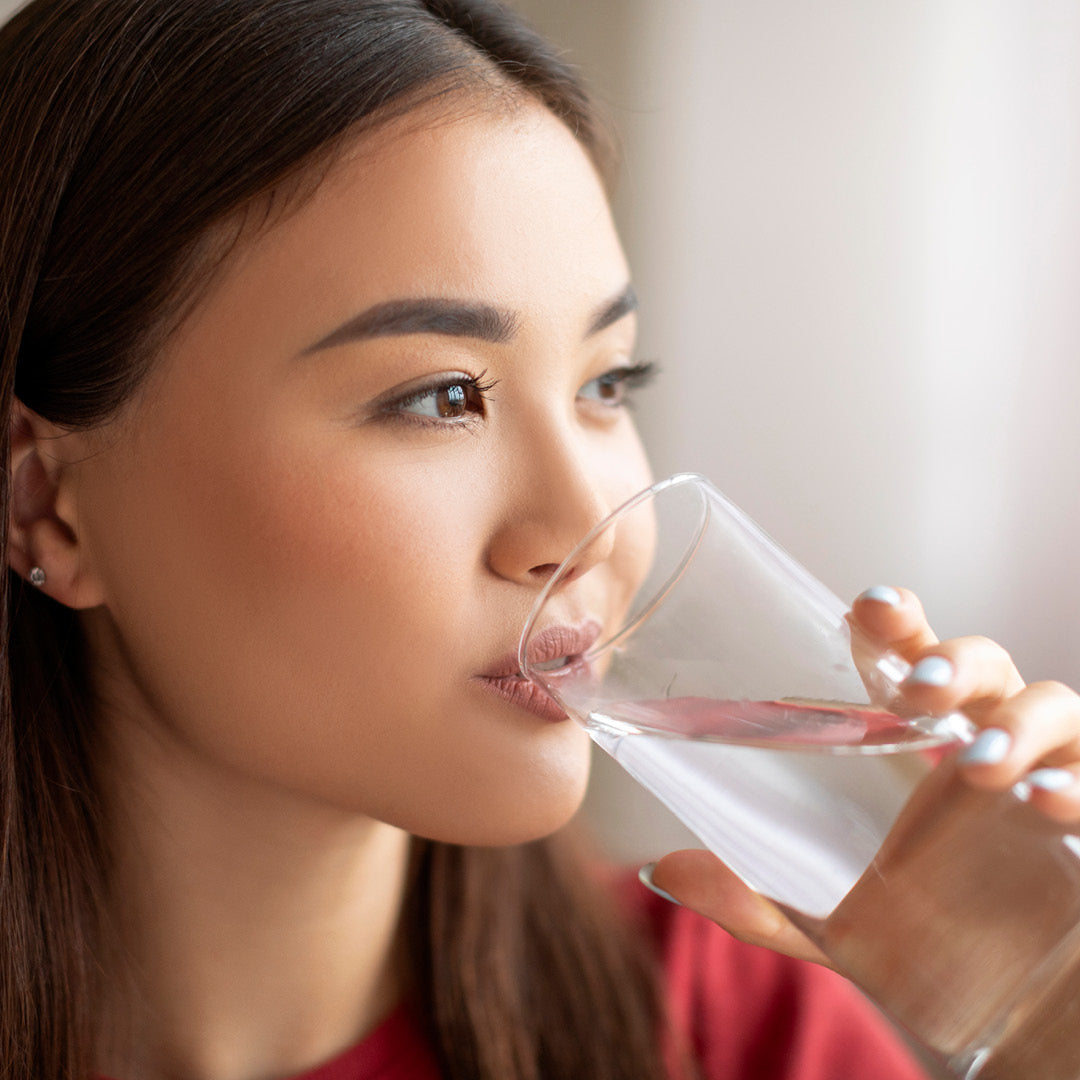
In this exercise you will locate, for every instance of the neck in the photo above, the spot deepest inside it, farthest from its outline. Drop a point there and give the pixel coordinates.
(259, 929)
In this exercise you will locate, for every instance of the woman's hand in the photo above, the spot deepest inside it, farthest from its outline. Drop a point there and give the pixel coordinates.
(1027, 732)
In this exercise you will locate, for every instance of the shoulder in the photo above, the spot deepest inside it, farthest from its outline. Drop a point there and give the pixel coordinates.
(740, 1010)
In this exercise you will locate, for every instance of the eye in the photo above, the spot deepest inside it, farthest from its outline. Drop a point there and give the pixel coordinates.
(453, 399)
(615, 387)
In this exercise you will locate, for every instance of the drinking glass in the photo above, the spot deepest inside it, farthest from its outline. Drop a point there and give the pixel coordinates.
(731, 683)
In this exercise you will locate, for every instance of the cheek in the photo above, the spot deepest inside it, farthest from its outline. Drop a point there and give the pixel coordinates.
(634, 542)
(640, 538)
(344, 564)
(314, 623)
(618, 582)
(259, 561)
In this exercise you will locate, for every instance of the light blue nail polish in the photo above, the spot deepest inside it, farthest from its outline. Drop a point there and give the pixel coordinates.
(931, 671)
(645, 877)
(1051, 779)
(883, 594)
(991, 746)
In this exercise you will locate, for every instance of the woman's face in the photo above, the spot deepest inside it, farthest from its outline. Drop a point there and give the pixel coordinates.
(324, 520)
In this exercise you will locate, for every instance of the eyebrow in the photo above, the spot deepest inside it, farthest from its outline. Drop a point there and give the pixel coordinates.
(611, 312)
(455, 318)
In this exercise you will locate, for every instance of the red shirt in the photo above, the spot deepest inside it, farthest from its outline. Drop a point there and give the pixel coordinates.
(748, 1013)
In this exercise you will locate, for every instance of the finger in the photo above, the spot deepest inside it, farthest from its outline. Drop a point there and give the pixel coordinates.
(893, 618)
(700, 881)
(886, 620)
(971, 674)
(1037, 728)
(1056, 792)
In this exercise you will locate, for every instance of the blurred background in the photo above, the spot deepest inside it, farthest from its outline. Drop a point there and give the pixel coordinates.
(855, 232)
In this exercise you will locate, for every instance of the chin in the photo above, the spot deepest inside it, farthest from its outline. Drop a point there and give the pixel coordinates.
(516, 818)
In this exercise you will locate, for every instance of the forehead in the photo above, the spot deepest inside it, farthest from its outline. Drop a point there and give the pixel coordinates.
(501, 203)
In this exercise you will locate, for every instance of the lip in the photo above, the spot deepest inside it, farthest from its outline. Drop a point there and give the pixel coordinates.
(523, 693)
(506, 679)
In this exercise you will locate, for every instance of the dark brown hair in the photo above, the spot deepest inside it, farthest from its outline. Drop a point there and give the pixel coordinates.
(130, 130)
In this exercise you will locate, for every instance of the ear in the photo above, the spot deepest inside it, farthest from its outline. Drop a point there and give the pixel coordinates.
(42, 522)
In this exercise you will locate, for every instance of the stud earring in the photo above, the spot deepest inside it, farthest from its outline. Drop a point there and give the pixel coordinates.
(36, 577)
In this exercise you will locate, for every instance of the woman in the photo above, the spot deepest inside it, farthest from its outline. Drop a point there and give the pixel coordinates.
(317, 345)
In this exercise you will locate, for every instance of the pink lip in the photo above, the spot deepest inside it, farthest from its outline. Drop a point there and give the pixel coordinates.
(506, 680)
(526, 695)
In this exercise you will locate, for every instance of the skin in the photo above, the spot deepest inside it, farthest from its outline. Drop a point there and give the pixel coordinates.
(291, 571)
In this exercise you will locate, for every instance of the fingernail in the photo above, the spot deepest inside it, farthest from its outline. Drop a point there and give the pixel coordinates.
(1051, 779)
(991, 746)
(931, 671)
(883, 594)
(645, 877)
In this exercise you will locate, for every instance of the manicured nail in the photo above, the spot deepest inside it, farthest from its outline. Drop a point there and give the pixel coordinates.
(883, 594)
(931, 671)
(990, 746)
(1051, 779)
(645, 877)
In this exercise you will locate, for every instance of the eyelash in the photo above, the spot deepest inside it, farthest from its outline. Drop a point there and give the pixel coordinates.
(476, 391)
(620, 380)
(625, 380)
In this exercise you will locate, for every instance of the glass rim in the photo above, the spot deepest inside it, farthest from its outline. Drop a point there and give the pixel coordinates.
(695, 480)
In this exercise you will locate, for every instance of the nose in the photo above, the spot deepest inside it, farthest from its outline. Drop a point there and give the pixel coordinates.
(553, 506)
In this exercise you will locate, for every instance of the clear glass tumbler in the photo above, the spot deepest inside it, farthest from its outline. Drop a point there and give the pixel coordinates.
(729, 681)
